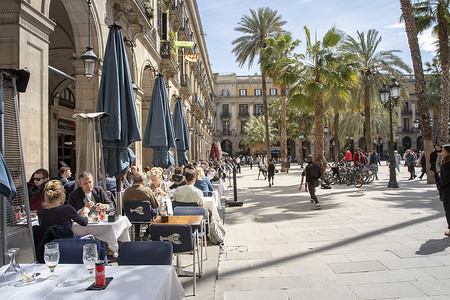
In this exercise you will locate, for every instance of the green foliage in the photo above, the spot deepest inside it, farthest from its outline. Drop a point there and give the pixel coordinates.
(256, 134)
(434, 83)
(149, 10)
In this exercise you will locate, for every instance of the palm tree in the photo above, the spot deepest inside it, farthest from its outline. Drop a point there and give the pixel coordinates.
(261, 24)
(322, 65)
(435, 13)
(272, 60)
(420, 87)
(434, 91)
(372, 65)
(256, 135)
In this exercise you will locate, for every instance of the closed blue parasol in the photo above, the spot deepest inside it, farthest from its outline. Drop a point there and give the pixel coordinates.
(181, 132)
(159, 134)
(116, 98)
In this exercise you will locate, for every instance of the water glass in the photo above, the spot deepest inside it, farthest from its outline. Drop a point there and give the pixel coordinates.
(51, 257)
(12, 273)
(90, 256)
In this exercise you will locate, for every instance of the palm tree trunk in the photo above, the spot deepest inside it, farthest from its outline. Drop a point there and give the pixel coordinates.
(444, 56)
(301, 125)
(336, 137)
(266, 113)
(367, 131)
(318, 131)
(420, 87)
(283, 142)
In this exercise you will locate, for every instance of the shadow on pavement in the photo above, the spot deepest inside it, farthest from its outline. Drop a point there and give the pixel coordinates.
(433, 246)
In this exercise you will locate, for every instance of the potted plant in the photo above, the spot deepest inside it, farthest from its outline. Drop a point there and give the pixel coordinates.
(149, 10)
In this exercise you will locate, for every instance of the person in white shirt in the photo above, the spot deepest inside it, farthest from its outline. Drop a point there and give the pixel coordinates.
(188, 192)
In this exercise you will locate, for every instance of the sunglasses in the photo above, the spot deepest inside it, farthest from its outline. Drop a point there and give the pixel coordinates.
(38, 179)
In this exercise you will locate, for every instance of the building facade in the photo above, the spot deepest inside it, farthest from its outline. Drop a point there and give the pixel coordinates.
(49, 37)
(239, 99)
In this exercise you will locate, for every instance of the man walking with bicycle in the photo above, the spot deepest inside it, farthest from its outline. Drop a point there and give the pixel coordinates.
(374, 160)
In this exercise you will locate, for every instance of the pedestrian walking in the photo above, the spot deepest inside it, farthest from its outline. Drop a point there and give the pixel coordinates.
(398, 160)
(423, 164)
(444, 183)
(287, 164)
(374, 161)
(433, 159)
(312, 173)
(271, 171)
(238, 164)
(250, 161)
(348, 156)
(409, 161)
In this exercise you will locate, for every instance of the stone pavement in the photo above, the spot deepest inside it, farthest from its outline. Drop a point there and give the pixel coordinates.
(366, 243)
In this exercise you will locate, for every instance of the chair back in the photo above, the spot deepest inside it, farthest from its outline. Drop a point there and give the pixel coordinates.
(207, 194)
(71, 250)
(180, 236)
(45, 234)
(146, 253)
(191, 211)
(139, 211)
(176, 203)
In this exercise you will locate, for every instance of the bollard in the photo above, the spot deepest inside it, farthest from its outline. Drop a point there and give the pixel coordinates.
(235, 202)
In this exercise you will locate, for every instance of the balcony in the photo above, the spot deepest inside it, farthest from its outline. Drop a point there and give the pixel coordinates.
(151, 35)
(176, 14)
(244, 114)
(225, 115)
(258, 113)
(406, 112)
(184, 33)
(185, 83)
(168, 64)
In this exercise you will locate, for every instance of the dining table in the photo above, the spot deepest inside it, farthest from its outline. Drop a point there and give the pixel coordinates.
(108, 232)
(152, 282)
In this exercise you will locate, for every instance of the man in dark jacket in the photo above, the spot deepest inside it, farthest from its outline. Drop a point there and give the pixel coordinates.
(409, 161)
(88, 195)
(312, 173)
(433, 158)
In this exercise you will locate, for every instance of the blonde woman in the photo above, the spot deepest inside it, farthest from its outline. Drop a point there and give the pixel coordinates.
(202, 182)
(55, 212)
(159, 187)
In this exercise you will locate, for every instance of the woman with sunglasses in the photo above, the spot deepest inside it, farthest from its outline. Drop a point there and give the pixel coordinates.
(36, 188)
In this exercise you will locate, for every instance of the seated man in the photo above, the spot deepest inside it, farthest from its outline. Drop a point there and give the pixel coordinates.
(64, 175)
(189, 193)
(139, 192)
(88, 195)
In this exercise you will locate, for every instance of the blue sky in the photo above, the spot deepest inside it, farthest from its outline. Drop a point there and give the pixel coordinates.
(219, 18)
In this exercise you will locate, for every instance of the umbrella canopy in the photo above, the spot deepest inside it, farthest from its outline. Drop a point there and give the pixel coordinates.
(116, 98)
(181, 132)
(214, 153)
(159, 134)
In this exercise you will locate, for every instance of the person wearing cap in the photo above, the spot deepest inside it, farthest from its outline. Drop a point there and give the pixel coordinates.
(409, 161)
(444, 183)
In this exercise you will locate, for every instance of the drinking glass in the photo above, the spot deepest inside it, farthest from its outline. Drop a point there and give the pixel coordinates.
(90, 256)
(11, 274)
(51, 257)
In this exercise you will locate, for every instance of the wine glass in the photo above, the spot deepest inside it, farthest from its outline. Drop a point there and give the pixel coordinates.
(51, 257)
(12, 272)
(90, 256)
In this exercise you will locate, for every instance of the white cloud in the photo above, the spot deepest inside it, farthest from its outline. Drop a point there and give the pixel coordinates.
(397, 25)
(426, 41)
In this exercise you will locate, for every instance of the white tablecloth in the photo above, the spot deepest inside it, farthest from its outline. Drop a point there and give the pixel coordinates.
(210, 204)
(219, 187)
(130, 282)
(168, 202)
(109, 232)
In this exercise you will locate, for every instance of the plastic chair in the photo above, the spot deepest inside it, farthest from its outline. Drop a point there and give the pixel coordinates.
(138, 213)
(145, 253)
(71, 250)
(196, 211)
(183, 241)
(176, 203)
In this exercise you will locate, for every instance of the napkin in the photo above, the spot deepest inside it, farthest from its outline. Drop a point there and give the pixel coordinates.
(92, 287)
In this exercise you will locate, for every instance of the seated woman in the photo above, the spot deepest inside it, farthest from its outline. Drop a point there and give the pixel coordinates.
(36, 188)
(177, 178)
(159, 187)
(202, 182)
(55, 212)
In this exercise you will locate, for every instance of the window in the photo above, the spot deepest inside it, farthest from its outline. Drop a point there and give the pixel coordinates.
(243, 123)
(243, 109)
(406, 123)
(225, 108)
(67, 99)
(226, 127)
(273, 92)
(258, 109)
(224, 92)
(242, 92)
(258, 92)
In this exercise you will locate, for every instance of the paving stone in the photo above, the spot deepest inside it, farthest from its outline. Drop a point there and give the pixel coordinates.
(438, 272)
(354, 267)
(386, 290)
(409, 263)
(434, 287)
(318, 293)
(256, 295)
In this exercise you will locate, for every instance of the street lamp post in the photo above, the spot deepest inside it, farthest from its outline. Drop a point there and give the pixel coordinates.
(389, 98)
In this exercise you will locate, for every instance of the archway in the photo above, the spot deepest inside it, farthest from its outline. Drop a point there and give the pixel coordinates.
(420, 145)
(227, 146)
(406, 143)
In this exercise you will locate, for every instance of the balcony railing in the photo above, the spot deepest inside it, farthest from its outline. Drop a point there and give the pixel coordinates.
(244, 114)
(177, 7)
(151, 35)
(225, 115)
(166, 48)
(258, 113)
(185, 80)
(406, 112)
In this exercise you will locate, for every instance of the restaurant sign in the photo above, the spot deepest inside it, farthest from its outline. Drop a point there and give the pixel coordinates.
(66, 124)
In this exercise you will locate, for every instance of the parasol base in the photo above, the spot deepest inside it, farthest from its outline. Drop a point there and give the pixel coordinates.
(234, 203)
